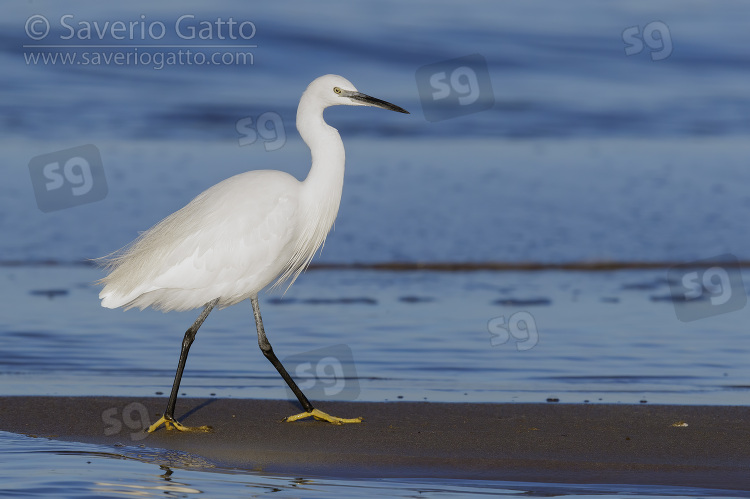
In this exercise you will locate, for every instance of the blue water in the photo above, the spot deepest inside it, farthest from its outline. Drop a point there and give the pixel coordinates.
(609, 337)
(587, 155)
(82, 471)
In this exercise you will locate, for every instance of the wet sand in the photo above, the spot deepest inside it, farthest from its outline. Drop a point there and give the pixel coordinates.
(700, 446)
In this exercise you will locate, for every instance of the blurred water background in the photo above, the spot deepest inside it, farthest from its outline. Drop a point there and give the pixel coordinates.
(612, 133)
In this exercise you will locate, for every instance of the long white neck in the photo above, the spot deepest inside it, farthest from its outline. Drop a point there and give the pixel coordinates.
(326, 148)
(320, 195)
(325, 181)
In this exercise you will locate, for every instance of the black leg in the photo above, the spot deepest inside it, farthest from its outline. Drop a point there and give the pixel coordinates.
(310, 411)
(265, 347)
(186, 342)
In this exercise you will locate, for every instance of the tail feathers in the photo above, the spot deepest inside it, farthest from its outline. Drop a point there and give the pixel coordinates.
(111, 299)
(166, 300)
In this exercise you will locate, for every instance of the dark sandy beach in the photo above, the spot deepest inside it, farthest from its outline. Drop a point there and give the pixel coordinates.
(701, 446)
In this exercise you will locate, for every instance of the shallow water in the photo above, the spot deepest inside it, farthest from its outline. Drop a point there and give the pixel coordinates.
(83, 471)
(437, 336)
(588, 154)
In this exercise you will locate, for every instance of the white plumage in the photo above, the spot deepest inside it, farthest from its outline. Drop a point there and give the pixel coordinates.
(228, 243)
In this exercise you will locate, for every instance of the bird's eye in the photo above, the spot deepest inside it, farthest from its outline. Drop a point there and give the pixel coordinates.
(337, 90)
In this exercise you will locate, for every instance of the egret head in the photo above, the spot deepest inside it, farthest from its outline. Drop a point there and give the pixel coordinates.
(334, 90)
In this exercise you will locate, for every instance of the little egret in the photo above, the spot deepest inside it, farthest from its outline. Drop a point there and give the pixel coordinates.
(239, 236)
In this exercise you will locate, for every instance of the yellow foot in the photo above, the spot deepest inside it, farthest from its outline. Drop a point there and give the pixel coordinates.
(321, 416)
(173, 424)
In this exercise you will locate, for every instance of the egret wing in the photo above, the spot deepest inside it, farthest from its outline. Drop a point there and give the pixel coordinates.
(229, 242)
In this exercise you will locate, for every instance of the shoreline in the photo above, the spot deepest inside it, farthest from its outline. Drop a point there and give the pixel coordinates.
(555, 443)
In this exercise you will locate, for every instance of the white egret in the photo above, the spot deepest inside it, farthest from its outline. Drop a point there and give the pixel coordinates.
(239, 236)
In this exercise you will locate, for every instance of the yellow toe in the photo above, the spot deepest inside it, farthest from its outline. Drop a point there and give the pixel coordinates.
(321, 416)
(173, 424)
